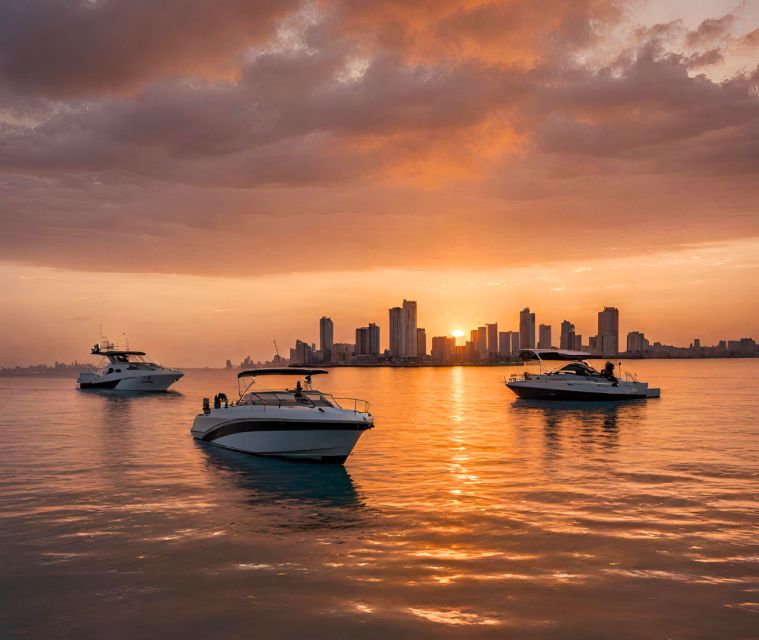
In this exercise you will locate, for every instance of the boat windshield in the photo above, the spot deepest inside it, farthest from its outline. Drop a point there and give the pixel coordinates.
(288, 397)
(578, 369)
(129, 361)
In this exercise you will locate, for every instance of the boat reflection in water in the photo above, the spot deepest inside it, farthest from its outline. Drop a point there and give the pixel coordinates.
(293, 494)
(592, 422)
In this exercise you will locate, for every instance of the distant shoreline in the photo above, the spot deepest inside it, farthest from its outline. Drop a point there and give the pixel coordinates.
(36, 372)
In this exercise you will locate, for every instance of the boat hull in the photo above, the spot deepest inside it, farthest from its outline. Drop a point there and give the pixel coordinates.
(541, 391)
(155, 382)
(318, 440)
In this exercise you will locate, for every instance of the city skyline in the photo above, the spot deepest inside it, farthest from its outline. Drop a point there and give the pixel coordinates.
(323, 158)
(487, 345)
(342, 334)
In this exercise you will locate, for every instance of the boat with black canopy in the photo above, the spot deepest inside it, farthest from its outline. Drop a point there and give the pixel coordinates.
(576, 380)
(299, 422)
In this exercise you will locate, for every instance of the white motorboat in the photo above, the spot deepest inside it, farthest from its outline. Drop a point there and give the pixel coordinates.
(126, 371)
(576, 380)
(300, 423)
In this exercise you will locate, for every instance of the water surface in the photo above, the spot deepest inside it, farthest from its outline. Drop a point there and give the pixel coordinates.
(463, 514)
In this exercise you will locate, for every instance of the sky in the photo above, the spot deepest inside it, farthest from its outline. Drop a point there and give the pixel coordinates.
(206, 176)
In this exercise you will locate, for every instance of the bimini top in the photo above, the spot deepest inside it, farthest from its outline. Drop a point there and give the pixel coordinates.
(552, 354)
(281, 371)
(97, 351)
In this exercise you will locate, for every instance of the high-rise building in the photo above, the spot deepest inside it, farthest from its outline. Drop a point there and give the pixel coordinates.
(443, 349)
(577, 342)
(421, 342)
(567, 339)
(526, 329)
(362, 341)
(747, 346)
(492, 331)
(544, 336)
(504, 343)
(409, 307)
(367, 340)
(515, 343)
(636, 342)
(403, 330)
(374, 339)
(397, 333)
(482, 342)
(302, 353)
(608, 331)
(326, 337)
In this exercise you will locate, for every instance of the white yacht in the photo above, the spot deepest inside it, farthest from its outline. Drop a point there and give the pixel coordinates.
(576, 380)
(300, 423)
(126, 371)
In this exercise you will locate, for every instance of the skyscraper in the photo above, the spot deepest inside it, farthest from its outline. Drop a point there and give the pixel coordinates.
(326, 337)
(482, 342)
(362, 341)
(608, 331)
(567, 338)
(409, 307)
(403, 330)
(526, 329)
(544, 336)
(421, 342)
(374, 339)
(504, 343)
(367, 340)
(397, 333)
(514, 343)
(492, 330)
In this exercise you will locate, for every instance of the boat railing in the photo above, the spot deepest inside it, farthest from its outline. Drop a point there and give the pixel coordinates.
(352, 404)
(272, 399)
(307, 399)
(629, 377)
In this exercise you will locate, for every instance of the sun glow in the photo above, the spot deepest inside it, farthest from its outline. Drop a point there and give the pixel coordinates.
(457, 333)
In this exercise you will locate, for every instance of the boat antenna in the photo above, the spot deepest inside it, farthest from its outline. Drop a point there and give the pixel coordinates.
(276, 349)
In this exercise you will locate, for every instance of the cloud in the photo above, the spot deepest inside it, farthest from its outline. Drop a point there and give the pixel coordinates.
(711, 31)
(136, 137)
(86, 47)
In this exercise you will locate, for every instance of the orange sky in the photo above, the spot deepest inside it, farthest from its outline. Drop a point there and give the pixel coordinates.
(206, 176)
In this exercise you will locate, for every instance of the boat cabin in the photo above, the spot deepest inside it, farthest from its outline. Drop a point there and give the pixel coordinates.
(126, 360)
